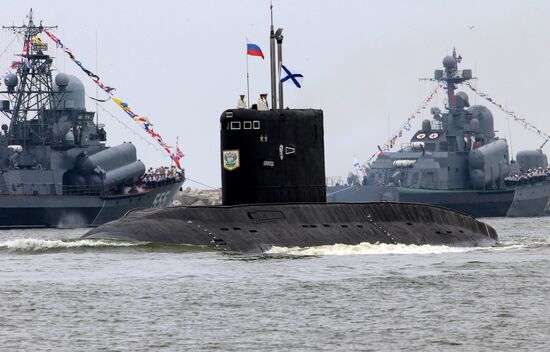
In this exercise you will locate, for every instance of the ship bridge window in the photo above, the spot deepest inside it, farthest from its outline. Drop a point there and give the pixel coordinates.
(256, 125)
(235, 125)
(247, 125)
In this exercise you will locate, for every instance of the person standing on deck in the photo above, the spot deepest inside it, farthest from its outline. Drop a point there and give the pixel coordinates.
(241, 104)
(262, 102)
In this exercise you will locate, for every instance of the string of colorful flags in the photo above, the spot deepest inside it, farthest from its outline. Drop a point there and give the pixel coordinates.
(526, 124)
(406, 126)
(141, 120)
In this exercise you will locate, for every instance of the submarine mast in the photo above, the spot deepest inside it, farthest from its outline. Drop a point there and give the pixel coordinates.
(272, 60)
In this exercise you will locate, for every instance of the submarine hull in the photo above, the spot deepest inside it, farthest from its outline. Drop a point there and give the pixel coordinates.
(259, 227)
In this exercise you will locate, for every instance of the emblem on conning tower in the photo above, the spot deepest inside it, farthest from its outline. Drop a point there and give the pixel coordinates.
(231, 159)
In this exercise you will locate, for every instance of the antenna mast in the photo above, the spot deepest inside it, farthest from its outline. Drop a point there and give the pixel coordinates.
(31, 91)
(272, 59)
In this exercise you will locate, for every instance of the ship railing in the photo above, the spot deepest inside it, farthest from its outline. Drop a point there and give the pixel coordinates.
(151, 184)
(35, 189)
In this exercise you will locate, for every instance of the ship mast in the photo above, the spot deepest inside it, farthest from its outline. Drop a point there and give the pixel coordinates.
(452, 76)
(30, 90)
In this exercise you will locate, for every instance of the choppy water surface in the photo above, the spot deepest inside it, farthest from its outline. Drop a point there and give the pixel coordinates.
(64, 294)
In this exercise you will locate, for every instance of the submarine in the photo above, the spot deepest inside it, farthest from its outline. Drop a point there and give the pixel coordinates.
(274, 194)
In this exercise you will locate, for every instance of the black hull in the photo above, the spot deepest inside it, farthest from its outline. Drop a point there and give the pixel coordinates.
(23, 211)
(524, 200)
(257, 228)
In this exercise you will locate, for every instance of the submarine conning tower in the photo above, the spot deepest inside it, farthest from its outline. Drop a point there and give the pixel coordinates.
(274, 156)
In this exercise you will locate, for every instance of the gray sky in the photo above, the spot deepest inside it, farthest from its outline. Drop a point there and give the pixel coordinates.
(181, 63)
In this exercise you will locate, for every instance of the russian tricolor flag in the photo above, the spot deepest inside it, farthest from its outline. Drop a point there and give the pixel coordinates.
(253, 50)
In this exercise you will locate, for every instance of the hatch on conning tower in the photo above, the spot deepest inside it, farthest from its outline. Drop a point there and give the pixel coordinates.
(71, 93)
(273, 156)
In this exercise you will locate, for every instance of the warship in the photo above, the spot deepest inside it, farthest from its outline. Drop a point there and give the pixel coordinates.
(455, 161)
(274, 194)
(55, 167)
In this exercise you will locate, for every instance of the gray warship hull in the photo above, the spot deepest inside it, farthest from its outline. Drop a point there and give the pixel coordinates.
(24, 211)
(524, 200)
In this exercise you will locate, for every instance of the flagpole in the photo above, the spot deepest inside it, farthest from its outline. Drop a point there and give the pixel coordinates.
(177, 147)
(247, 83)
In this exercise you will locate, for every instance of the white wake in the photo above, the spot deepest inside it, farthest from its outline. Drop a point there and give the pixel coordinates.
(369, 248)
(33, 244)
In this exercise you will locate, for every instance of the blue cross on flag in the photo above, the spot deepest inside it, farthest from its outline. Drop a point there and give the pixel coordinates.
(296, 78)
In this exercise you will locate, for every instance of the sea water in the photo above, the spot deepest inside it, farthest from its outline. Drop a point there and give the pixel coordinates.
(61, 293)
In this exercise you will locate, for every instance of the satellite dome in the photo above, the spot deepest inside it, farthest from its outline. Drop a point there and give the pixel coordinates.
(11, 80)
(74, 95)
(485, 118)
(462, 100)
(62, 79)
(449, 62)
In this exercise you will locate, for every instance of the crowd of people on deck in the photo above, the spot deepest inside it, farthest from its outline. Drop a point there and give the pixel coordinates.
(527, 177)
(161, 176)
